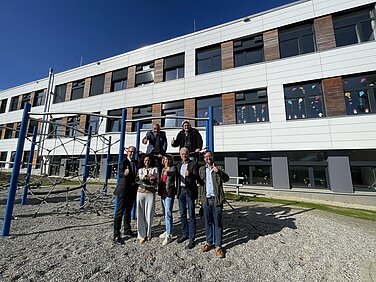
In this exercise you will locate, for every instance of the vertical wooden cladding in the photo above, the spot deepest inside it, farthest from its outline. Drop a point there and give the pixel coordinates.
(2, 132)
(158, 70)
(32, 96)
(87, 87)
(271, 45)
(228, 108)
(128, 127)
(35, 159)
(157, 111)
(334, 97)
(63, 127)
(324, 33)
(83, 119)
(14, 129)
(107, 82)
(19, 102)
(190, 109)
(132, 77)
(227, 55)
(68, 93)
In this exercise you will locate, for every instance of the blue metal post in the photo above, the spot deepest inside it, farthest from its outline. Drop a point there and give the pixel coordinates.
(15, 172)
(29, 166)
(121, 153)
(86, 169)
(211, 148)
(207, 134)
(107, 166)
(138, 137)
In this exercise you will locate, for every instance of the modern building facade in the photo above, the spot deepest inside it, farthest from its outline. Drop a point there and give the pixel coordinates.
(293, 91)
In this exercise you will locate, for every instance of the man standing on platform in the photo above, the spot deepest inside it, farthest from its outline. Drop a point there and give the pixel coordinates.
(126, 191)
(212, 196)
(157, 146)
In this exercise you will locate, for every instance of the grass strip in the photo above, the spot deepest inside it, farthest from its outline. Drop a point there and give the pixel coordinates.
(357, 213)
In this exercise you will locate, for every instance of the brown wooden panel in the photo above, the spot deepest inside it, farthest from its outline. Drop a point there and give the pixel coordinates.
(129, 116)
(131, 77)
(324, 33)
(227, 55)
(107, 82)
(157, 111)
(334, 96)
(68, 93)
(228, 108)
(87, 87)
(271, 45)
(158, 71)
(190, 109)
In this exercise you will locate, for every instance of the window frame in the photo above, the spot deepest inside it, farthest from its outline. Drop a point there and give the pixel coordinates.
(252, 99)
(39, 98)
(174, 64)
(77, 89)
(213, 52)
(173, 109)
(144, 71)
(142, 112)
(111, 123)
(245, 46)
(217, 109)
(97, 85)
(119, 76)
(3, 105)
(60, 93)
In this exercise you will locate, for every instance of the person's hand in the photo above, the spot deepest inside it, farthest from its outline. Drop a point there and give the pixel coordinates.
(160, 156)
(197, 150)
(126, 172)
(214, 168)
(173, 141)
(144, 140)
(187, 172)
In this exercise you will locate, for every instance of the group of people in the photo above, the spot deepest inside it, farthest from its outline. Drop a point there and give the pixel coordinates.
(156, 172)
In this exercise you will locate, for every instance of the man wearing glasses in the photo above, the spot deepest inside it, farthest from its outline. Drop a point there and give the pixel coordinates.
(126, 191)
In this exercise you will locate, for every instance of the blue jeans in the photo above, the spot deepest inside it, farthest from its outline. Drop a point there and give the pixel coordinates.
(213, 215)
(186, 202)
(168, 203)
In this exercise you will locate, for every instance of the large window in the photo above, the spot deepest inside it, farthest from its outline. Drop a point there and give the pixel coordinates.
(38, 98)
(25, 100)
(360, 94)
(172, 109)
(119, 80)
(3, 105)
(145, 74)
(173, 67)
(3, 158)
(8, 131)
(97, 85)
(202, 109)
(32, 124)
(114, 124)
(56, 128)
(252, 106)
(356, 27)
(142, 112)
(14, 103)
(296, 40)
(93, 122)
(78, 89)
(304, 100)
(248, 51)
(59, 95)
(208, 59)
(73, 125)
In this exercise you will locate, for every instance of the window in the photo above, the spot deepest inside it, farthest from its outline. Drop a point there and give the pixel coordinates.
(25, 99)
(360, 94)
(119, 80)
(73, 125)
(172, 109)
(248, 51)
(94, 122)
(18, 127)
(3, 158)
(355, 27)
(145, 74)
(296, 40)
(38, 98)
(142, 112)
(202, 109)
(14, 104)
(97, 85)
(3, 105)
(30, 129)
(12, 158)
(25, 159)
(208, 59)
(8, 131)
(114, 125)
(59, 95)
(78, 89)
(304, 101)
(56, 128)
(173, 67)
(252, 106)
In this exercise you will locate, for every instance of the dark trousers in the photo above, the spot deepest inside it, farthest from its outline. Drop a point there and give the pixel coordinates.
(213, 215)
(187, 204)
(124, 209)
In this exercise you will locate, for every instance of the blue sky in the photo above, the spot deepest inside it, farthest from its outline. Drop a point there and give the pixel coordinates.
(38, 34)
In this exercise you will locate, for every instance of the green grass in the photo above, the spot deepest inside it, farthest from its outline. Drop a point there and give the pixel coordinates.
(357, 213)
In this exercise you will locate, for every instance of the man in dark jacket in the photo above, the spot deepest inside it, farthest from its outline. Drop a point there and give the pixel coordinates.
(126, 191)
(186, 177)
(189, 138)
(212, 196)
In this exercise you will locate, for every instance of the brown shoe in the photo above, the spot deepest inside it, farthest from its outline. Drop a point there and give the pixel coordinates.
(219, 252)
(205, 248)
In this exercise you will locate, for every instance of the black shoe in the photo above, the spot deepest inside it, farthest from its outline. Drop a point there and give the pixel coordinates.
(190, 245)
(181, 239)
(129, 233)
(118, 240)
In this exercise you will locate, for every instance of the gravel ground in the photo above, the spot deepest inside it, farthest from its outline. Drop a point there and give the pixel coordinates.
(263, 242)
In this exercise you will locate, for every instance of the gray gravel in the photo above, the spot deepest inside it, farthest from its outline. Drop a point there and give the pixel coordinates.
(263, 242)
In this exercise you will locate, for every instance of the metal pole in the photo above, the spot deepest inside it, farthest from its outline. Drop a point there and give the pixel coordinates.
(138, 138)
(207, 134)
(15, 172)
(121, 154)
(107, 166)
(29, 166)
(86, 170)
(211, 130)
